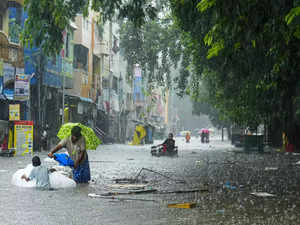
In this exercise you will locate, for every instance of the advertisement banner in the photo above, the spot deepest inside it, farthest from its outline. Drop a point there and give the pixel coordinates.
(1, 67)
(21, 87)
(23, 138)
(67, 68)
(8, 75)
(8, 80)
(14, 112)
(1, 85)
(1, 77)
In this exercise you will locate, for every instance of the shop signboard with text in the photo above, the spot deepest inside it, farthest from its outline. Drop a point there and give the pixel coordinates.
(21, 87)
(23, 137)
(14, 112)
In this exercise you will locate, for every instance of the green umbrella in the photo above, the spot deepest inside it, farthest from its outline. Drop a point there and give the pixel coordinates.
(92, 141)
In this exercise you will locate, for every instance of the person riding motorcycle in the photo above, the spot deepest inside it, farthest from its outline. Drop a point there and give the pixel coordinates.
(168, 144)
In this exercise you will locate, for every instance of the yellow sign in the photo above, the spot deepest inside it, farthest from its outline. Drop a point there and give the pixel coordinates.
(14, 112)
(23, 137)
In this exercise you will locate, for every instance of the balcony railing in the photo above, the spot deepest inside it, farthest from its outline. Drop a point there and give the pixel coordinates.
(10, 52)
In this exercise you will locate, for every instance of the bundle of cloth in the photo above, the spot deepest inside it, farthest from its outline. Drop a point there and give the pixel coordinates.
(59, 171)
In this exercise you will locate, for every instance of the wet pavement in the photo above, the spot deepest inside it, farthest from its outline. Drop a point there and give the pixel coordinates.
(229, 174)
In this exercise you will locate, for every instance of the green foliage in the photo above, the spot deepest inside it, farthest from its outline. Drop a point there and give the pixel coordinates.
(205, 4)
(214, 50)
(47, 19)
(294, 12)
(100, 26)
(14, 31)
(245, 55)
(155, 46)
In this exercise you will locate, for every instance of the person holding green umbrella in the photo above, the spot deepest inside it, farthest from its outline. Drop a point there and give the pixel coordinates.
(76, 147)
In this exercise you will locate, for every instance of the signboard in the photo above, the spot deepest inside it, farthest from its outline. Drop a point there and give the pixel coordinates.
(8, 75)
(14, 112)
(1, 67)
(21, 87)
(8, 80)
(1, 85)
(23, 137)
(67, 68)
(1, 78)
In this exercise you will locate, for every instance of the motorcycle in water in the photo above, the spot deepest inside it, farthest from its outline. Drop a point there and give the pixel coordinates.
(162, 151)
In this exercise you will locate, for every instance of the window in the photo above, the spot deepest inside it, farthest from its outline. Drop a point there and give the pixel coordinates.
(15, 11)
(96, 70)
(138, 97)
(115, 83)
(80, 60)
(104, 83)
(115, 47)
(102, 64)
(53, 60)
(85, 24)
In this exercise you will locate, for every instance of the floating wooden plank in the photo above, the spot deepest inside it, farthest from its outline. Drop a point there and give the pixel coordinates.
(262, 194)
(128, 186)
(93, 195)
(129, 192)
(186, 205)
(183, 191)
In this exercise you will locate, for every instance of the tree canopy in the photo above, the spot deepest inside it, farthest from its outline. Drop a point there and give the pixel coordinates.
(245, 52)
(47, 19)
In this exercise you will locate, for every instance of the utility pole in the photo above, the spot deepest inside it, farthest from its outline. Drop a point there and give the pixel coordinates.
(63, 94)
(40, 83)
(110, 75)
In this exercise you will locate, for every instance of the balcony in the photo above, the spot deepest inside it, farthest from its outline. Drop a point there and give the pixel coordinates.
(10, 52)
(101, 48)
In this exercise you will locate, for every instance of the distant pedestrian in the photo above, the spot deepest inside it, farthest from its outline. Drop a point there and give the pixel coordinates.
(40, 173)
(187, 137)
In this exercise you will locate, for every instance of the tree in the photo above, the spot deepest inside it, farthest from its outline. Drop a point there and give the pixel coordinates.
(248, 55)
(154, 46)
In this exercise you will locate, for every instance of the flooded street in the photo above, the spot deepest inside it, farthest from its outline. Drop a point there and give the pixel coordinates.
(225, 175)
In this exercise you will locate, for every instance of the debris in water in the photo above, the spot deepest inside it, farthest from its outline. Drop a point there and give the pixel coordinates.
(129, 192)
(220, 211)
(271, 168)
(183, 191)
(129, 181)
(93, 195)
(187, 205)
(128, 186)
(229, 186)
(262, 194)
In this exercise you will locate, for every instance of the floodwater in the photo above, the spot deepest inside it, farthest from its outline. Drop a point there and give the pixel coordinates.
(229, 174)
